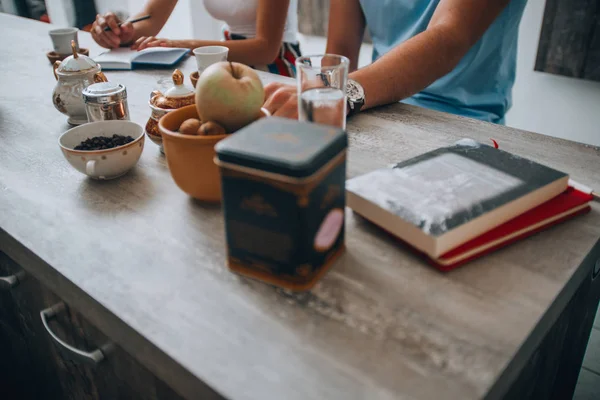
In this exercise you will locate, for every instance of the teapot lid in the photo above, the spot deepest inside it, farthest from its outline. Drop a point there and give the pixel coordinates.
(179, 89)
(76, 62)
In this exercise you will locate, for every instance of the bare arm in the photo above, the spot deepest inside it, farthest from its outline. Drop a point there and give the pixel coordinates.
(340, 39)
(455, 27)
(411, 66)
(160, 11)
(262, 49)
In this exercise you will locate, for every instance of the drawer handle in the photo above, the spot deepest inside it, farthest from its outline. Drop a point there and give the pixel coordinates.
(11, 281)
(90, 358)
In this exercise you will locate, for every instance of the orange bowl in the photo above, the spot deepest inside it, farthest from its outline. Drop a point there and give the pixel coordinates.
(190, 158)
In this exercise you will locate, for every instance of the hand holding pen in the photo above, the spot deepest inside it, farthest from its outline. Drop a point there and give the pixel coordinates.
(109, 32)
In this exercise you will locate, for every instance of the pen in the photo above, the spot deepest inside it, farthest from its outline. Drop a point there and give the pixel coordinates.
(132, 21)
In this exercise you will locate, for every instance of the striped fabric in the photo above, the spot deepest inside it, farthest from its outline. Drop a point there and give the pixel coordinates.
(284, 64)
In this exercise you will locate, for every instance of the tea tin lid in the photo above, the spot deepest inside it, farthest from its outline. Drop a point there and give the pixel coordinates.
(283, 146)
(104, 93)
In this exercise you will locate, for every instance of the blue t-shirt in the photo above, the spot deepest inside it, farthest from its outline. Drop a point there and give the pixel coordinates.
(480, 86)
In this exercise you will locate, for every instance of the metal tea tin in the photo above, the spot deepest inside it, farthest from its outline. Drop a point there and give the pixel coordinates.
(106, 101)
(283, 187)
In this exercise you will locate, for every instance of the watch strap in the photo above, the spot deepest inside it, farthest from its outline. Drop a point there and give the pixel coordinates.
(354, 106)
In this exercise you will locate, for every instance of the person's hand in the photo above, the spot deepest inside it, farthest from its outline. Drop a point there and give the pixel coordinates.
(281, 100)
(116, 35)
(151, 41)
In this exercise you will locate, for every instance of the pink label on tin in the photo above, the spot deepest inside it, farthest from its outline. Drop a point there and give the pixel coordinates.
(329, 230)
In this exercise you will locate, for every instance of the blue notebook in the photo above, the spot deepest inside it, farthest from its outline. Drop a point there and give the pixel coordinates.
(127, 59)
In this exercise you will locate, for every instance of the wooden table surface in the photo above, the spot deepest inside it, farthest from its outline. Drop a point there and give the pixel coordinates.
(146, 264)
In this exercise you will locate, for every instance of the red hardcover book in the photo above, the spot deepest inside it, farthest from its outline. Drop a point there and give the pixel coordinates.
(566, 205)
(563, 207)
(441, 199)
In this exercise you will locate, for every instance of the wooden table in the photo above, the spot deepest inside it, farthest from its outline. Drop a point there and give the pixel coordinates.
(145, 264)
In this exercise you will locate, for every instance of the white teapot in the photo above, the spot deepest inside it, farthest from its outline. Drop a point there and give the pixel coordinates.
(74, 74)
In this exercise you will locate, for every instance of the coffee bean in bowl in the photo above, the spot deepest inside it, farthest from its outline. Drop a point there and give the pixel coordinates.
(103, 142)
(103, 149)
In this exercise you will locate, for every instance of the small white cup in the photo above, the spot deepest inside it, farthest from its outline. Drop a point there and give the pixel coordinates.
(61, 39)
(209, 55)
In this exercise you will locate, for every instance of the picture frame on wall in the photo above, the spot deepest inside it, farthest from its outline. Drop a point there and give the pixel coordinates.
(569, 43)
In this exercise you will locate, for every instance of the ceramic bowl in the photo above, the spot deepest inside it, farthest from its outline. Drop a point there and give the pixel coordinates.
(103, 164)
(191, 158)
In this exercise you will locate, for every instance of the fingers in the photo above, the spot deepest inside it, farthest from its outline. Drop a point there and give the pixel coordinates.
(135, 44)
(289, 110)
(275, 99)
(98, 38)
(102, 39)
(143, 42)
(113, 23)
(281, 100)
(158, 43)
(126, 32)
(271, 88)
(105, 38)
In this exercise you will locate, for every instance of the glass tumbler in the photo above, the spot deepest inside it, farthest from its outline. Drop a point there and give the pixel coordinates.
(322, 89)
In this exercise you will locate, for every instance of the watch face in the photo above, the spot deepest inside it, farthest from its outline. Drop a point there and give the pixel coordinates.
(354, 91)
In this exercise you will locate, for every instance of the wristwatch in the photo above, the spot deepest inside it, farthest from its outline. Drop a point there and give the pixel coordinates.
(355, 96)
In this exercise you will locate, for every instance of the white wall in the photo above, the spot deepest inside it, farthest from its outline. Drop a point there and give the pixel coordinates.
(61, 12)
(8, 6)
(550, 104)
(204, 26)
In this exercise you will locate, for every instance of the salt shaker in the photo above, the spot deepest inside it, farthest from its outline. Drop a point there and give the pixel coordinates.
(106, 101)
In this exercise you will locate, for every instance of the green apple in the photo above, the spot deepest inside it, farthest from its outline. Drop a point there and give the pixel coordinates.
(230, 94)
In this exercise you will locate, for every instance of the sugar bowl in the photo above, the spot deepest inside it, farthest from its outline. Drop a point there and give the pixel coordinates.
(74, 74)
(106, 101)
(161, 104)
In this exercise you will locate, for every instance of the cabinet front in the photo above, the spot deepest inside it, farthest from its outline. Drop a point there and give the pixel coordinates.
(50, 351)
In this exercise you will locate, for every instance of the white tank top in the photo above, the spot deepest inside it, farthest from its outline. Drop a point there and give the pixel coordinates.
(240, 17)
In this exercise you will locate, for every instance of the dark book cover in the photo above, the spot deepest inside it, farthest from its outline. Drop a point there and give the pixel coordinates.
(443, 189)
